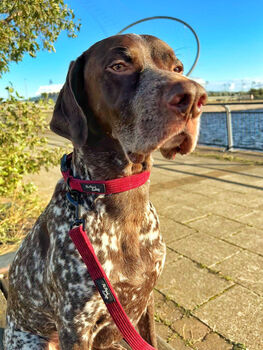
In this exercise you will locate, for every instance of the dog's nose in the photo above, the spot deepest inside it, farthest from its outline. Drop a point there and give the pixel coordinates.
(187, 98)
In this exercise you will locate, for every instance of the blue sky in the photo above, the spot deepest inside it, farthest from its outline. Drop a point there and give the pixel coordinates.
(230, 34)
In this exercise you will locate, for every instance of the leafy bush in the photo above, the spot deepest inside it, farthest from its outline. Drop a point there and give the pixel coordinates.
(24, 148)
(17, 216)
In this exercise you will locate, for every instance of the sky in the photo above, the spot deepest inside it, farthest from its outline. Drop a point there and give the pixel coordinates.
(230, 34)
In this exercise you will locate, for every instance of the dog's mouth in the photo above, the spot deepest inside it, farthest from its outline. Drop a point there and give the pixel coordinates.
(174, 142)
(136, 158)
(181, 143)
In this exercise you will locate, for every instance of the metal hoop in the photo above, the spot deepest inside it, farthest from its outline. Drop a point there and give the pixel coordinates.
(173, 19)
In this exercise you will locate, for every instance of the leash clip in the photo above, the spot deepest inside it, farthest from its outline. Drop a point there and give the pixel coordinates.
(74, 198)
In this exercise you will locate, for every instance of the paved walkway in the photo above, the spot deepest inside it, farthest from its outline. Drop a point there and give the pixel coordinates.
(210, 295)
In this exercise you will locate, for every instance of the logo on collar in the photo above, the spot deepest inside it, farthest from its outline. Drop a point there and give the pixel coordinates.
(104, 290)
(96, 188)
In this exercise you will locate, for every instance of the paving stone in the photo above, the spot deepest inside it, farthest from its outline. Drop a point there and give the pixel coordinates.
(194, 200)
(213, 342)
(163, 331)
(182, 213)
(2, 309)
(172, 230)
(171, 256)
(259, 183)
(241, 186)
(231, 211)
(190, 329)
(237, 315)
(166, 309)
(248, 190)
(5, 260)
(243, 178)
(210, 188)
(243, 199)
(254, 218)
(161, 176)
(257, 171)
(189, 285)
(198, 248)
(226, 185)
(165, 198)
(245, 268)
(250, 238)
(184, 169)
(216, 226)
(178, 344)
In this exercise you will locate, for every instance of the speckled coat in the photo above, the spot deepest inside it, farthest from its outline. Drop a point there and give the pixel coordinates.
(123, 98)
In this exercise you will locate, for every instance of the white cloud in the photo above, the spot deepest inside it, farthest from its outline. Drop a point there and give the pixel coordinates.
(230, 85)
(48, 88)
(234, 84)
(199, 81)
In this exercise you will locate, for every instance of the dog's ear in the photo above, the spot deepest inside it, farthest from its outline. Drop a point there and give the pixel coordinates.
(69, 119)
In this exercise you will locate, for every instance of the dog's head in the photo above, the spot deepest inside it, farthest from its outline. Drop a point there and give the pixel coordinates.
(130, 87)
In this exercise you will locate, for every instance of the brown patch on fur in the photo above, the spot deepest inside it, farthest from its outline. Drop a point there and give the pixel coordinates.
(43, 237)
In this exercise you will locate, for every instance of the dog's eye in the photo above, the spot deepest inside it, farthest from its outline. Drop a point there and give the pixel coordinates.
(119, 67)
(178, 69)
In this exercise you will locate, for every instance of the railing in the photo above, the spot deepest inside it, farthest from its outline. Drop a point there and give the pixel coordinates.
(233, 129)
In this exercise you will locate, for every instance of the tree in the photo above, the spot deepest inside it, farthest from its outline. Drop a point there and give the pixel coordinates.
(258, 93)
(26, 26)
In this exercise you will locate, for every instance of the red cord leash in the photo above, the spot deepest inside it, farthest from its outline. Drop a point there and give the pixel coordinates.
(85, 248)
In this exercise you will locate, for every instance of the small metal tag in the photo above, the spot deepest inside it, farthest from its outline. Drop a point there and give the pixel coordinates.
(104, 290)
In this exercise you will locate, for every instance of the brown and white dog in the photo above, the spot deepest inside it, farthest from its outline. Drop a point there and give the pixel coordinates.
(123, 98)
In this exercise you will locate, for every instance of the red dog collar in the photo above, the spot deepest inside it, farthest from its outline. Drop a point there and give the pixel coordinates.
(101, 187)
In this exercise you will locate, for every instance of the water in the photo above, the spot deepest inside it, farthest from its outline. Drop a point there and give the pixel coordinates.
(247, 127)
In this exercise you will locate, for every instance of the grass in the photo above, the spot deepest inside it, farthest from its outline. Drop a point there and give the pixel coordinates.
(17, 216)
(231, 157)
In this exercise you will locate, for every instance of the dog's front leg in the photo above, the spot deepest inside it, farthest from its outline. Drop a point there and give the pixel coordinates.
(69, 340)
(146, 325)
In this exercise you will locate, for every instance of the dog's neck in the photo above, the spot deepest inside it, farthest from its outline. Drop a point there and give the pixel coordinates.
(106, 163)
(106, 160)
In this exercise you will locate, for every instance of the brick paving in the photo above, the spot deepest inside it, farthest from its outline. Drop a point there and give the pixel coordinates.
(210, 295)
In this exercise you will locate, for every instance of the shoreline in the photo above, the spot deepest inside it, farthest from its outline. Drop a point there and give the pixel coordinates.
(234, 107)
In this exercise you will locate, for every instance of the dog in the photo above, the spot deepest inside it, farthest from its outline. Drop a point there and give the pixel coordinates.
(125, 97)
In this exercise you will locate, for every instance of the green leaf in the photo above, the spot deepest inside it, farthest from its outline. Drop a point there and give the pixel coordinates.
(24, 149)
(29, 25)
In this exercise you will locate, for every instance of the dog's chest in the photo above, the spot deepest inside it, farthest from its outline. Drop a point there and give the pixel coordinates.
(127, 253)
(132, 259)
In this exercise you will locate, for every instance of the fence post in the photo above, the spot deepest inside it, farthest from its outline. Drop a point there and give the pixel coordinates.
(229, 129)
